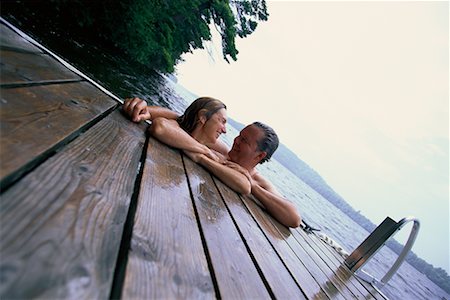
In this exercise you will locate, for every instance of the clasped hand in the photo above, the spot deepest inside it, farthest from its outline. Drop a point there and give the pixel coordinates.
(136, 109)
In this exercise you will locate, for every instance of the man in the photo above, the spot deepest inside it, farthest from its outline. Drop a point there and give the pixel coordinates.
(255, 144)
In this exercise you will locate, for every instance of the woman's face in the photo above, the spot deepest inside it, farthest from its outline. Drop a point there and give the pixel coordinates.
(215, 126)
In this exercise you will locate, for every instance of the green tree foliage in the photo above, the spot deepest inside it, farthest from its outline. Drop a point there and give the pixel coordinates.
(158, 32)
(155, 32)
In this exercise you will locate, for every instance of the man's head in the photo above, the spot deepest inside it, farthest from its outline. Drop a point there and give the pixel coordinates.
(255, 144)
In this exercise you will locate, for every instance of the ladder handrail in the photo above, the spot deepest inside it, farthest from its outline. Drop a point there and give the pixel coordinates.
(400, 259)
(406, 248)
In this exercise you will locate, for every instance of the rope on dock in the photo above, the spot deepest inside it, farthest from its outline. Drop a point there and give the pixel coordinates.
(325, 238)
(333, 244)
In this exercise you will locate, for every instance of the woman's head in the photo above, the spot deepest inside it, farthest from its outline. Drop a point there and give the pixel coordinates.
(200, 111)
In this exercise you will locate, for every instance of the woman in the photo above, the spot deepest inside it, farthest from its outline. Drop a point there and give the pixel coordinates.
(204, 120)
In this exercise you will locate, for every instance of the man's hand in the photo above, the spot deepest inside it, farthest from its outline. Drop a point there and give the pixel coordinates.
(136, 109)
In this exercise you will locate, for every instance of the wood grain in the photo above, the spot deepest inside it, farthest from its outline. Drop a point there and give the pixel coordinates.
(335, 262)
(61, 225)
(277, 235)
(11, 39)
(237, 276)
(166, 259)
(279, 279)
(333, 284)
(17, 67)
(326, 281)
(33, 120)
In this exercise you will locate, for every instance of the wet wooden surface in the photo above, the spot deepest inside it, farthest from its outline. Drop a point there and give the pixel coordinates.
(35, 120)
(166, 259)
(61, 223)
(91, 208)
(21, 68)
(237, 276)
(10, 39)
(279, 280)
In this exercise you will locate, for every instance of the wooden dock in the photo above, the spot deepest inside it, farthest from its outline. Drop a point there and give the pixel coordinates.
(92, 208)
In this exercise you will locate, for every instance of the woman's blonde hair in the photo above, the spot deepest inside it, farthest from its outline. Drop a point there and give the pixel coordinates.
(190, 118)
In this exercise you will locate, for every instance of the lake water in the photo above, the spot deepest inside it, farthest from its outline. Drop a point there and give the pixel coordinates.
(407, 283)
(125, 79)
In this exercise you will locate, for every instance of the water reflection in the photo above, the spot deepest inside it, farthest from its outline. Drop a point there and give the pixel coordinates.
(165, 165)
(268, 224)
(210, 206)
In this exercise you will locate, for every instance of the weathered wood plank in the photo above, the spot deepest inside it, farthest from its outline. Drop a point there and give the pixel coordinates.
(37, 83)
(335, 281)
(335, 261)
(17, 67)
(166, 259)
(327, 275)
(11, 39)
(326, 281)
(278, 278)
(61, 224)
(277, 235)
(34, 120)
(234, 270)
(341, 271)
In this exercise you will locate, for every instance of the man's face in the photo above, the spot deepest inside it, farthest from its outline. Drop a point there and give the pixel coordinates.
(245, 147)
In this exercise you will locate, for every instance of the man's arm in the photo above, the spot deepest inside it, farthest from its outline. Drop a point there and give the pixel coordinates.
(281, 209)
(232, 177)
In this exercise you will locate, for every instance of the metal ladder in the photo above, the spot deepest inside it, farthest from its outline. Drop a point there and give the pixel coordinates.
(370, 246)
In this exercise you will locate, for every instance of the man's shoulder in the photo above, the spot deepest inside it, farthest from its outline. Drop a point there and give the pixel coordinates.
(263, 182)
(256, 176)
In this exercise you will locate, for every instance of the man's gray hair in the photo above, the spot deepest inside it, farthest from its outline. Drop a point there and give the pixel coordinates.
(269, 142)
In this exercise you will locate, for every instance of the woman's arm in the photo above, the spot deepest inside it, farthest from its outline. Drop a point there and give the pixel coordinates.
(170, 133)
(161, 112)
(138, 110)
(232, 177)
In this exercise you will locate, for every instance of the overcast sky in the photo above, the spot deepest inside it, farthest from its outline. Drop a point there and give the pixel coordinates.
(360, 91)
